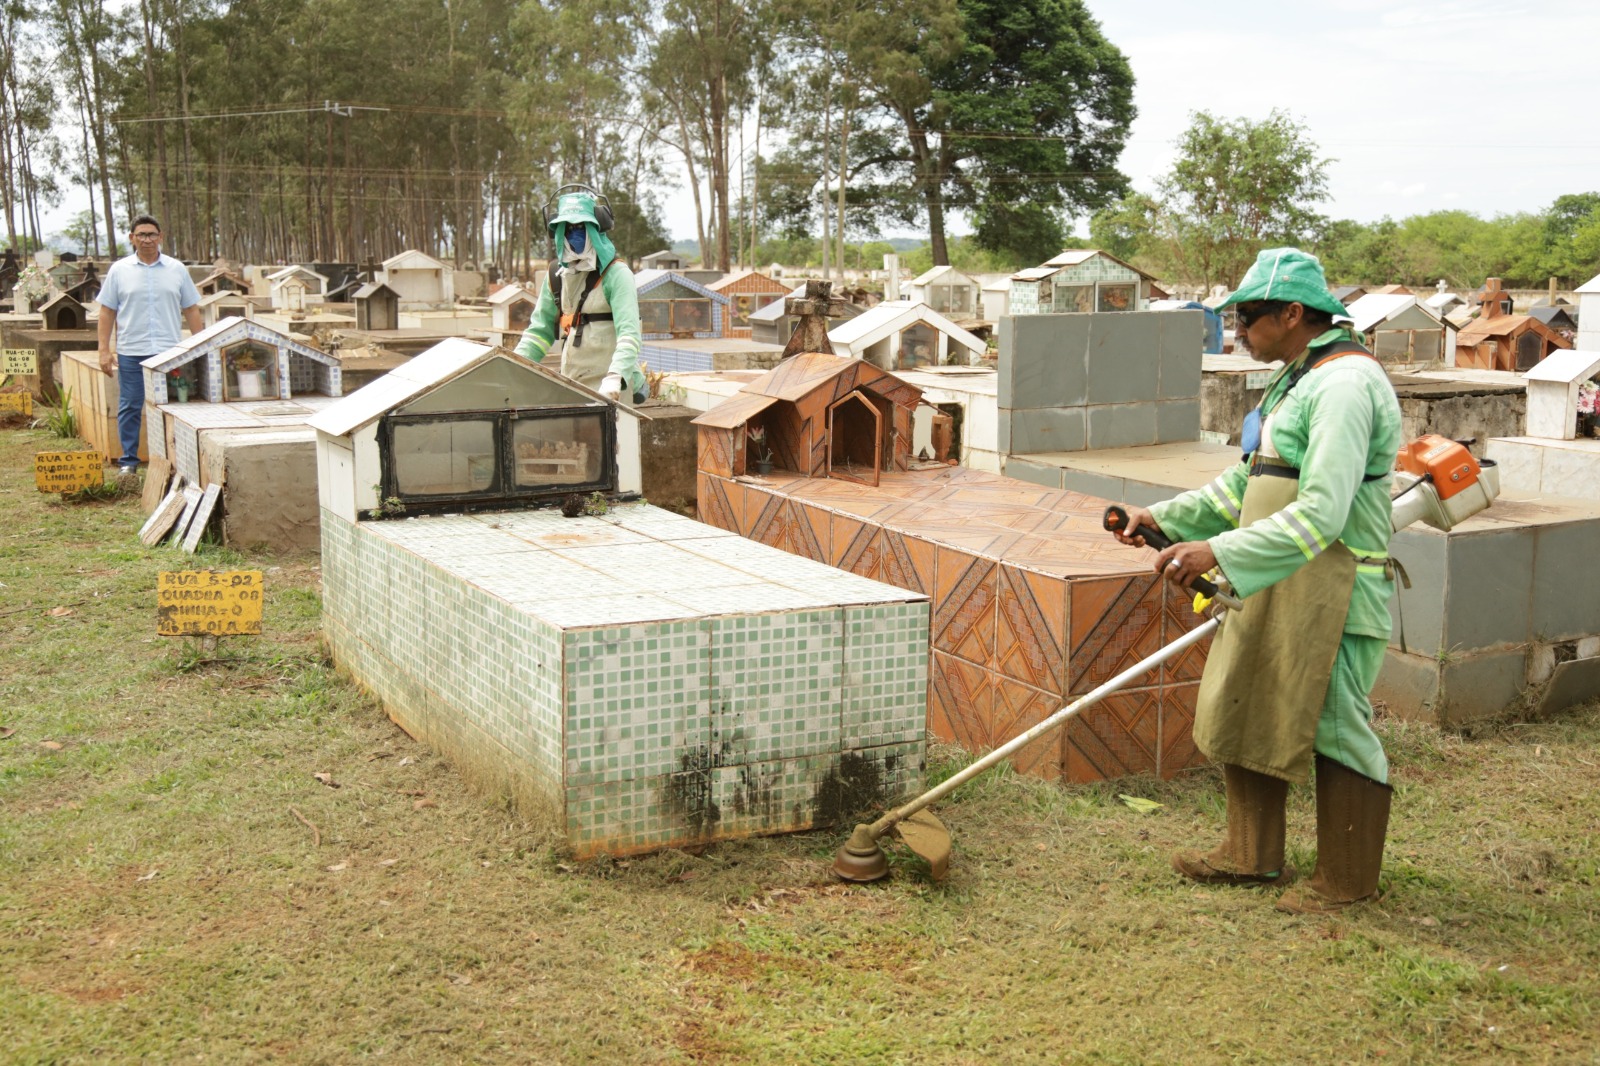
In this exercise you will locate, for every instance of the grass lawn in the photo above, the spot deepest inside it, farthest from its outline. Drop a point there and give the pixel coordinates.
(177, 885)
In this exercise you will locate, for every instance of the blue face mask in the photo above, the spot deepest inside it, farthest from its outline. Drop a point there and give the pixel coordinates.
(1250, 435)
(577, 238)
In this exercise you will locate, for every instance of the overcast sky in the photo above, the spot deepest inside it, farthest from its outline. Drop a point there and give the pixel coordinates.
(1492, 106)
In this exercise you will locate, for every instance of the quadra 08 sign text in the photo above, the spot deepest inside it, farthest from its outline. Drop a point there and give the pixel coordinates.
(208, 603)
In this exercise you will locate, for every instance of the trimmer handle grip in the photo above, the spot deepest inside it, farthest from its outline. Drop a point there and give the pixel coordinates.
(1117, 519)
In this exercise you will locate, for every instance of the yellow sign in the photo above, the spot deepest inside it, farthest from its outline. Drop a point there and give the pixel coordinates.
(20, 402)
(68, 471)
(19, 361)
(206, 603)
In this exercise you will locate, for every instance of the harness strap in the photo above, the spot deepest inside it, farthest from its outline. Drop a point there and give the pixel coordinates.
(1263, 466)
(574, 322)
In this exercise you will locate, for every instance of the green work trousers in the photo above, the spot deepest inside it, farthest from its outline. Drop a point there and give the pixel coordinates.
(1344, 731)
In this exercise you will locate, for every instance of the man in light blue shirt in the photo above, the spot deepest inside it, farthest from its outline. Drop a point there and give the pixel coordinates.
(142, 300)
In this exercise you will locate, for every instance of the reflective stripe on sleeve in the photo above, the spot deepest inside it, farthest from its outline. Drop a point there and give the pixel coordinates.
(1301, 532)
(1218, 495)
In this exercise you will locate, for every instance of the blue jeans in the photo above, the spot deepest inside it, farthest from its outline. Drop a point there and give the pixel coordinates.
(130, 405)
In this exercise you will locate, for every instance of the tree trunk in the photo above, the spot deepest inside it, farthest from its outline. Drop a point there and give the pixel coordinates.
(932, 188)
(844, 171)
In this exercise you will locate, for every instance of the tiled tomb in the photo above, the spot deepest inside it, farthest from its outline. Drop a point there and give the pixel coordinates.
(1033, 604)
(651, 679)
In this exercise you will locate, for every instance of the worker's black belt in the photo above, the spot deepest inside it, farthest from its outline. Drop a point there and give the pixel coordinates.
(1265, 468)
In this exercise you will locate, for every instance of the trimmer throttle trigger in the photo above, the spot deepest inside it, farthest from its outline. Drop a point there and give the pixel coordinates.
(1116, 518)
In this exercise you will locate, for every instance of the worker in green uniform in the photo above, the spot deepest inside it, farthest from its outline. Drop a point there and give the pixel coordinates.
(589, 304)
(1300, 528)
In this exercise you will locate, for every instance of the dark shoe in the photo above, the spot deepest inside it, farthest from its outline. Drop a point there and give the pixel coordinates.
(1196, 865)
(1352, 824)
(1252, 852)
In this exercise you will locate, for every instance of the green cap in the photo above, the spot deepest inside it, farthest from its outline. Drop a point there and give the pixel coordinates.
(1286, 274)
(574, 207)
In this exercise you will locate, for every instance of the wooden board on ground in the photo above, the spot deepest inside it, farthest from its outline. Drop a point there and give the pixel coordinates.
(19, 361)
(192, 495)
(156, 477)
(17, 403)
(68, 471)
(202, 517)
(208, 603)
(162, 519)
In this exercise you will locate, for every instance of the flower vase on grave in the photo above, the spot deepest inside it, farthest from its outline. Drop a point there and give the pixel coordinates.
(183, 390)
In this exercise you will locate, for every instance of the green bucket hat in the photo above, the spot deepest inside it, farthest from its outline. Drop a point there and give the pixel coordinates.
(1286, 274)
(574, 207)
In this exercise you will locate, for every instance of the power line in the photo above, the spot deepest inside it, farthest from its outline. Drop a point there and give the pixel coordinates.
(342, 110)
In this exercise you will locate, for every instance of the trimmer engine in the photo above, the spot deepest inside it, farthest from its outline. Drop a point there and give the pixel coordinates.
(1438, 482)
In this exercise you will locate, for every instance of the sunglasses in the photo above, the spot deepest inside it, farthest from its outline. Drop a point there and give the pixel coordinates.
(1249, 316)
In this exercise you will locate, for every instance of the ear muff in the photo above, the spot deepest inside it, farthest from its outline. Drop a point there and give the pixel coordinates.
(603, 218)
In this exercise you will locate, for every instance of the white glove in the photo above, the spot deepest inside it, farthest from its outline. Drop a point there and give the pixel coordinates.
(611, 387)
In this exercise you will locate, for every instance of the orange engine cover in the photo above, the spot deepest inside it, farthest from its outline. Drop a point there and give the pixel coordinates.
(1448, 464)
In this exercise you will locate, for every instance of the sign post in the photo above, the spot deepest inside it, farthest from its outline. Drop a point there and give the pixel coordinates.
(208, 603)
(17, 403)
(68, 471)
(19, 361)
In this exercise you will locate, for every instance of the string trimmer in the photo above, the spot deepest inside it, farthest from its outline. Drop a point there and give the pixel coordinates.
(862, 857)
(1436, 481)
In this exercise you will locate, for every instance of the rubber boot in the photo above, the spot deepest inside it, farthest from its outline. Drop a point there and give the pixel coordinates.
(1352, 822)
(1252, 852)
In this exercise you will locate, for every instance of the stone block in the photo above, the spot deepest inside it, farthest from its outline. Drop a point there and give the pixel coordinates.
(1043, 361)
(1045, 474)
(1571, 470)
(1566, 587)
(1125, 357)
(1123, 425)
(1488, 599)
(1425, 555)
(1410, 686)
(1055, 430)
(1177, 421)
(1103, 486)
(1573, 682)
(1181, 356)
(1521, 464)
(1478, 687)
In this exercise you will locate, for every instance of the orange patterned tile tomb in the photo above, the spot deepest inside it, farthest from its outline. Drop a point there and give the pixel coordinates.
(1033, 603)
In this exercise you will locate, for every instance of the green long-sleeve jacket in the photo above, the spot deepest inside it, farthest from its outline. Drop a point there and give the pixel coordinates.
(622, 295)
(1340, 423)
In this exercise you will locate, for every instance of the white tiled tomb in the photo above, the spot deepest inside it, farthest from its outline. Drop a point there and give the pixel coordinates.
(657, 681)
(654, 680)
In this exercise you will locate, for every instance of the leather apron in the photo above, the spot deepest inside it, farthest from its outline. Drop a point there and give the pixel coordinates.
(1266, 678)
(586, 359)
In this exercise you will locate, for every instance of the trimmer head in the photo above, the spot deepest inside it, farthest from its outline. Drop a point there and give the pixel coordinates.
(860, 858)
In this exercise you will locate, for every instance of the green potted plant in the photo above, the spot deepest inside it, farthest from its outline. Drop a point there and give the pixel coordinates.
(180, 385)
